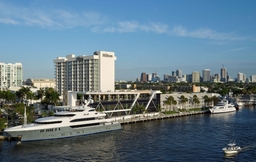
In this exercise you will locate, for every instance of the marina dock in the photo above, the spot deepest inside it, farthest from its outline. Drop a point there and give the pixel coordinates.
(129, 119)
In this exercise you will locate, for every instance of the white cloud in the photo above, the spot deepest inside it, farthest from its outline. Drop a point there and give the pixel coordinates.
(234, 50)
(61, 19)
(55, 19)
(8, 21)
(133, 26)
(205, 34)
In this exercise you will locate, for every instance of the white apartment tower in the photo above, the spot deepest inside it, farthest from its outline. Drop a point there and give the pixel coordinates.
(253, 78)
(206, 75)
(195, 77)
(85, 73)
(241, 77)
(11, 75)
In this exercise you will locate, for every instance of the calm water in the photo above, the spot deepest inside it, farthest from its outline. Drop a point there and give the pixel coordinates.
(193, 138)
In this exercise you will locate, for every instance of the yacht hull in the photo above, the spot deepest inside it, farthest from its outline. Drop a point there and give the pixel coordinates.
(217, 111)
(61, 132)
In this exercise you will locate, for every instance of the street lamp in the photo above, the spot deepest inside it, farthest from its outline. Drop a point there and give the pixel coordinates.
(25, 112)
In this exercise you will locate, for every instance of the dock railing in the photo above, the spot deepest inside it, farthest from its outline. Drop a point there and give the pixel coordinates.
(153, 116)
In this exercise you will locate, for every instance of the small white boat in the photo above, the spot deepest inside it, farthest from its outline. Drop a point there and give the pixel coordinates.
(231, 149)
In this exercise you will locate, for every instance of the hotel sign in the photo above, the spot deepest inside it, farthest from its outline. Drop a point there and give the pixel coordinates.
(106, 55)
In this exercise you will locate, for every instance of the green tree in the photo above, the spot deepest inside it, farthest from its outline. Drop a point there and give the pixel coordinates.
(195, 100)
(183, 100)
(206, 100)
(8, 96)
(170, 101)
(138, 109)
(23, 93)
(51, 96)
(40, 94)
(215, 100)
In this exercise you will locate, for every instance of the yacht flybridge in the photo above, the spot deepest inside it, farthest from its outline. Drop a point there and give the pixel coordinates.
(74, 122)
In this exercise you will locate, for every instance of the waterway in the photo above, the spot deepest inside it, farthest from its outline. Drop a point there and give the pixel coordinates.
(189, 138)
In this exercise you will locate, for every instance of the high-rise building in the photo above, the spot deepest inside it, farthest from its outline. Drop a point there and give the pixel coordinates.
(143, 77)
(149, 77)
(206, 75)
(253, 78)
(241, 77)
(11, 75)
(173, 73)
(166, 76)
(179, 73)
(154, 75)
(195, 77)
(85, 73)
(216, 78)
(223, 74)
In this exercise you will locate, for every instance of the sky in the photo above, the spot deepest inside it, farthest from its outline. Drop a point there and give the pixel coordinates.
(146, 35)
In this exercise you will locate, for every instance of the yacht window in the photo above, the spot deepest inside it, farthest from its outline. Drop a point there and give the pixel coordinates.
(82, 119)
(51, 122)
(84, 125)
(64, 115)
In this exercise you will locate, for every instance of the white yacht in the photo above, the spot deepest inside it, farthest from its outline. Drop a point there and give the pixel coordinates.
(222, 107)
(74, 122)
(231, 149)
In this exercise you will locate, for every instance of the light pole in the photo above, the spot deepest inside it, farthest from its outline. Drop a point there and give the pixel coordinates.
(25, 113)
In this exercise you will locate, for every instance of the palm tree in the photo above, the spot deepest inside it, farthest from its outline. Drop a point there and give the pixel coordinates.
(183, 100)
(215, 100)
(30, 95)
(174, 102)
(206, 100)
(40, 93)
(171, 101)
(51, 96)
(23, 93)
(195, 100)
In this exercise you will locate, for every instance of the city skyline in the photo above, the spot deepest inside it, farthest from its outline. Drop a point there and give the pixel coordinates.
(203, 73)
(148, 36)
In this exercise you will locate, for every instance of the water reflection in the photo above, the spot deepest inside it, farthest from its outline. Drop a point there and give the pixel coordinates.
(224, 116)
(233, 155)
(99, 146)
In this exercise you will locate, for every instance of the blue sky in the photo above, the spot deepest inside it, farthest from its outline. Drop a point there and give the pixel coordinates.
(146, 35)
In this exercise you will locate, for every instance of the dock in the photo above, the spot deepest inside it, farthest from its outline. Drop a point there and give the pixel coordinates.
(129, 119)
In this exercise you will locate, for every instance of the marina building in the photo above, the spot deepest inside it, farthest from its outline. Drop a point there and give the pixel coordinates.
(11, 75)
(122, 102)
(40, 82)
(187, 105)
(85, 73)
